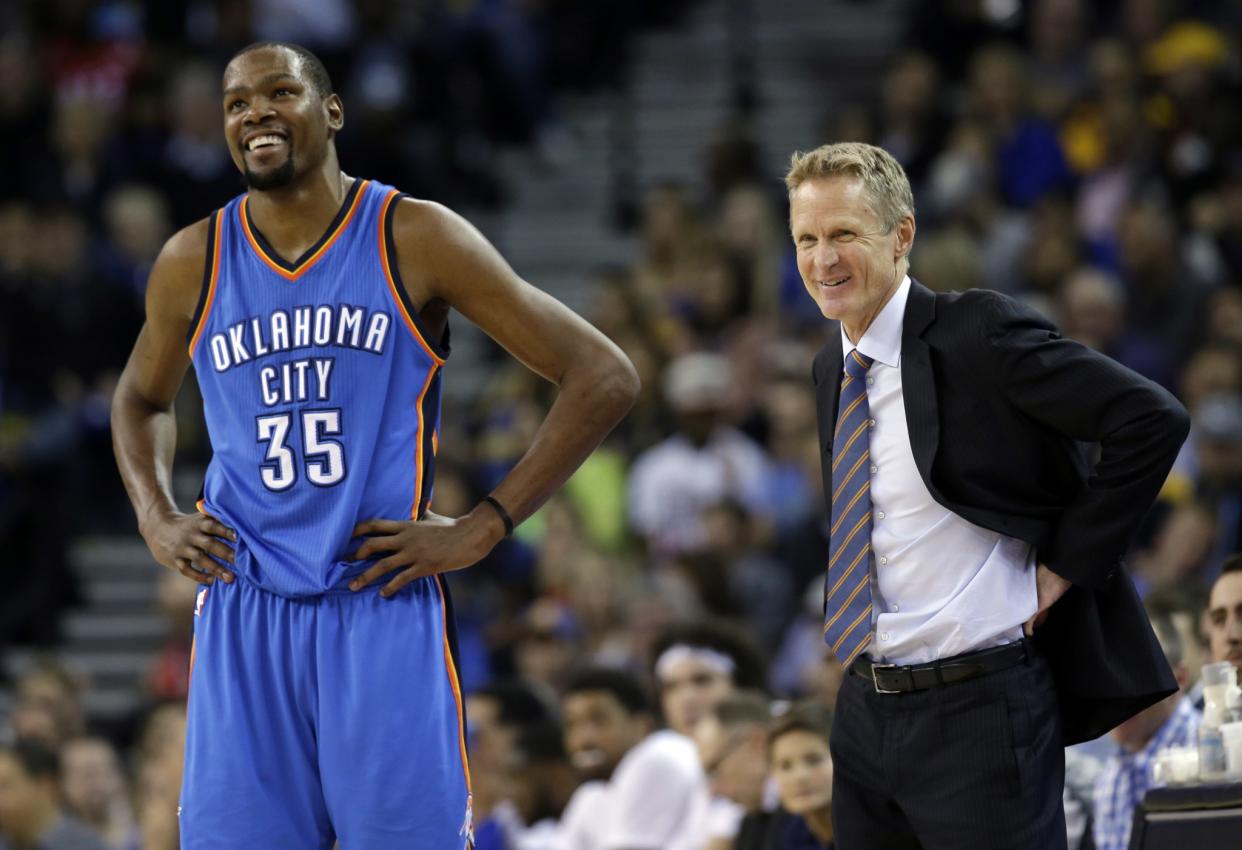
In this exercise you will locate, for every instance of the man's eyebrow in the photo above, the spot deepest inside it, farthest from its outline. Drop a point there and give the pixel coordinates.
(266, 81)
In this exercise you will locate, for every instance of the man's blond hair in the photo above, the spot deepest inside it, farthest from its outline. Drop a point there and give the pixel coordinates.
(883, 178)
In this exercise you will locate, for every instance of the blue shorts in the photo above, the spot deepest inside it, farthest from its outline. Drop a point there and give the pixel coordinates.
(336, 717)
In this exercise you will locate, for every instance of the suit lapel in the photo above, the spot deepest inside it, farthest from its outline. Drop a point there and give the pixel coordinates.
(828, 366)
(834, 367)
(918, 383)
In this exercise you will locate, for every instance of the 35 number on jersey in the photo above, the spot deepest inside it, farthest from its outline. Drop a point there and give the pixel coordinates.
(323, 458)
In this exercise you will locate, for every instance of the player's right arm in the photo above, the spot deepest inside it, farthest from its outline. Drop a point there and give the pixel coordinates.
(144, 427)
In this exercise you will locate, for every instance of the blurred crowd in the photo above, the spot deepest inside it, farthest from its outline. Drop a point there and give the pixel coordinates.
(1083, 156)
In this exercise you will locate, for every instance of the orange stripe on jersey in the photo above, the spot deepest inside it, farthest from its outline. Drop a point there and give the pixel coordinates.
(392, 283)
(211, 288)
(454, 683)
(305, 265)
(199, 506)
(419, 462)
(189, 676)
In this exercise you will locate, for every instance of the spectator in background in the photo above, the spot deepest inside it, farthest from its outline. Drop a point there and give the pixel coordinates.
(696, 665)
(1181, 550)
(732, 745)
(137, 222)
(497, 714)
(49, 704)
(734, 574)
(168, 677)
(545, 781)
(1092, 308)
(1224, 614)
(672, 239)
(911, 125)
(30, 814)
(1058, 31)
(1172, 722)
(607, 720)
(95, 791)
(79, 163)
(1168, 300)
(1217, 433)
(704, 462)
(196, 173)
(803, 665)
(801, 767)
(158, 765)
(548, 642)
(1029, 159)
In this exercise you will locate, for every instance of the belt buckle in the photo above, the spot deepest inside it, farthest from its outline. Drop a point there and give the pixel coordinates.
(875, 680)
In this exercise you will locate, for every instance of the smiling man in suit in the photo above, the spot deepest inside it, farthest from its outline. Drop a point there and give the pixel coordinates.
(984, 477)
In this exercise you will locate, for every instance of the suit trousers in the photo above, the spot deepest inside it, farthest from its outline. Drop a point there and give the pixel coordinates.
(976, 765)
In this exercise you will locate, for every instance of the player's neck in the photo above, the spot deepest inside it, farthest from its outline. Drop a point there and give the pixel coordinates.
(295, 216)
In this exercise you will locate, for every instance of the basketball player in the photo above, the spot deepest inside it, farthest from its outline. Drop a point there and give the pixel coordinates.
(324, 703)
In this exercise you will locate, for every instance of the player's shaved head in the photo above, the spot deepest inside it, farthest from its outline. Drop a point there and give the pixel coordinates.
(309, 65)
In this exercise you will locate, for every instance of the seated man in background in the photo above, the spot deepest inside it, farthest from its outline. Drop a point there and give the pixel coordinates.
(733, 745)
(696, 666)
(30, 814)
(96, 791)
(1224, 614)
(1126, 776)
(498, 715)
(606, 718)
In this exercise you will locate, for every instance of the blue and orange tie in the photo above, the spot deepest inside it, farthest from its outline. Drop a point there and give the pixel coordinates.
(847, 614)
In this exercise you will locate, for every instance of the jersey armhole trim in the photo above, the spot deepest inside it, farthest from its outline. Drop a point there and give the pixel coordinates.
(207, 292)
(388, 253)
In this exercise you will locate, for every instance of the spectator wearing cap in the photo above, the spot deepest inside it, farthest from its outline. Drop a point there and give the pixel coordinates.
(30, 814)
(703, 463)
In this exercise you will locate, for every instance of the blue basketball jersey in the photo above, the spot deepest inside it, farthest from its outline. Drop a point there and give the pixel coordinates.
(321, 392)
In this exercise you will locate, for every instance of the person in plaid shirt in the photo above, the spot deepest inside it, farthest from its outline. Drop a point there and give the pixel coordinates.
(1172, 722)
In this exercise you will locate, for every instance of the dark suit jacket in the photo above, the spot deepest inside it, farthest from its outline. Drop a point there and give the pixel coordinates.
(1004, 415)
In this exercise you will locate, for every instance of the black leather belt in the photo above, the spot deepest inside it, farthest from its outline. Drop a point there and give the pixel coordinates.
(896, 678)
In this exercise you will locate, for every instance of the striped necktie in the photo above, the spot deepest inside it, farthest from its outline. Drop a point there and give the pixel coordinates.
(847, 623)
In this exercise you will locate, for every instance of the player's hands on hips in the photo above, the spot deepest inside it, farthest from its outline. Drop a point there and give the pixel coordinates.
(1049, 587)
(433, 544)
(185, 542)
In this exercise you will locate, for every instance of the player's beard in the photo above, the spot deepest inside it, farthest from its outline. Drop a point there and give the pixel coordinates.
(278, 178)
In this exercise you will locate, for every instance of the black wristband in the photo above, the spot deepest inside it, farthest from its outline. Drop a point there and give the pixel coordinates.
(504, 515)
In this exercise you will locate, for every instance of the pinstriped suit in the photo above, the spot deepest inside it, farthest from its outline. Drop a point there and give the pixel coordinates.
(999, 410)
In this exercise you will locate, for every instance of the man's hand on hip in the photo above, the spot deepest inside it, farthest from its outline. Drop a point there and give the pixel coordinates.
(1049, 587)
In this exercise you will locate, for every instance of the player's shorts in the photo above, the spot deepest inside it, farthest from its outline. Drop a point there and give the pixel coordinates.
(336, 717)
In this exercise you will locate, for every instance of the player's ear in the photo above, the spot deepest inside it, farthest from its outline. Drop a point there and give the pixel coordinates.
(335, 110)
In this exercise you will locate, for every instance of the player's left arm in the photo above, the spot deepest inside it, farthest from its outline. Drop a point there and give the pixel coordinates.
(442, 257)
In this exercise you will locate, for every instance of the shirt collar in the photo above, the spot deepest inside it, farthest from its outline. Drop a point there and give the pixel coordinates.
(882, 341)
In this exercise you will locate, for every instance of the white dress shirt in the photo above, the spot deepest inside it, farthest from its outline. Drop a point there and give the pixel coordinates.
(940, 585)
(656, 797)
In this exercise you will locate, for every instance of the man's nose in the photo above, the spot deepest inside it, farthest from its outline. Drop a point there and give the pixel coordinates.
(258, 109)
(826, 256)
